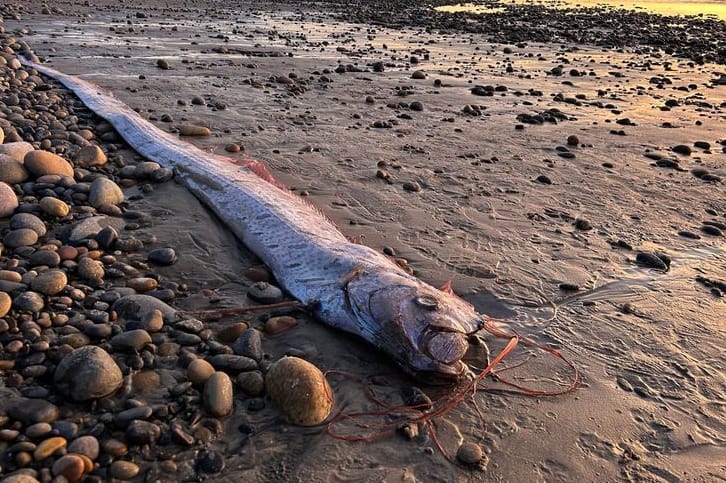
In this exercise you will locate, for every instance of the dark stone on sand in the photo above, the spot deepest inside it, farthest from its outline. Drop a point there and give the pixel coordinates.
(87, 373)
(583, 224)
(162, 256)
(249, 344)
(689, 234)
(544, 179)
(139, 306)
(667, 163)
(107, 237)
(162, 64)
(210, 462)
(573, 140)
(469, 453)
(682, 149)
(711, 230)
(569, 287)
(418, 74)
(416, 106)
(31, 411)
(264, 293)
(650, 260)
(232, 363)
(411, 186)
(142, 432)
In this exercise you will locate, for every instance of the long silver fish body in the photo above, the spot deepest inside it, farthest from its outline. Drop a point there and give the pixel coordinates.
(350, 286)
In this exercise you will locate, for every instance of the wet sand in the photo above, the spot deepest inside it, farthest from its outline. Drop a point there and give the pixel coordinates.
(504, 207)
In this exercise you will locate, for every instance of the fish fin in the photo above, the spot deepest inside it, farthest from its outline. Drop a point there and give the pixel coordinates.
(261, 170)
(447, 287)
(357, 239)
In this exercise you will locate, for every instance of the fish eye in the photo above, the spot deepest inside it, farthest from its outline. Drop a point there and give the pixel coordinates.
(427, 301)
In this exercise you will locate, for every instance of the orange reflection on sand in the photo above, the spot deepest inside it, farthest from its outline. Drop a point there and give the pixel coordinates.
(664, 7)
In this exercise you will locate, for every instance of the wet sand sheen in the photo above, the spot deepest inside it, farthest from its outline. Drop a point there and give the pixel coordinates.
(501, 210)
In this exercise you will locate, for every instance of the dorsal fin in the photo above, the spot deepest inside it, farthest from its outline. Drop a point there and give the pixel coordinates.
(447, 287)
(261, 170)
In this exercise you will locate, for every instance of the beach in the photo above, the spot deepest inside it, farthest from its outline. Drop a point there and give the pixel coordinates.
(567, 175)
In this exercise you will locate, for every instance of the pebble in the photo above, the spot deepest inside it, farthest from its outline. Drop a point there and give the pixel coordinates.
(418, 74)
(682, 149)
(142, 432)
(218, 395)
(299, 390)
(50, 282)
(29, 301)
(90, 156)
(86, 445)
(48, 447)
(38, 430)
(16, 150)
(87, 373)
(40, 163)
(131, 340)
(153, 321)
(107, 237)
(123, 470)
(249, 344)
(70, 466)
(210, 462)
(114, 447)
(278, 325)
(20, 478)
(31, 411)
(232, 363)
(12, 171)
(469, 453)
(162, 256)
(199, 371)
(28, 220)
(8, 200)
(104, 192)
(411, 186)
(90, 269)
(264, 293)
(573, 140)
(5, 304)
(194, 130)
(650, 260)
(138, 306)
(711, 230)
(54, 207)
(583, 224)
(252, 383)
(230, 333)
(22, 237)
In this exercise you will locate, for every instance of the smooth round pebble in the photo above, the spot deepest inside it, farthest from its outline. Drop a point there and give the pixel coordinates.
(40, 163)
(87, 373)
(123, 470)
(199, 371)
(131, 340)
(12, 171)
(5, 303)
(90, 269)
(29, 301)
(54, 207)
(299, 390)
(91, 155)
(104, 192)
(194, 130)
(278, 325)
(162, 256)
(264, 293)
(71, 466)
(28, 220)
(218, 395)
(85, 445)
(50, 282)
(8, 200)
(469, 453)
(22, 237)
(48, 447)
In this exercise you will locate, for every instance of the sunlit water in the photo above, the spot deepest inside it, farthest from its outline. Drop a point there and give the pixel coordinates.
(663, 7)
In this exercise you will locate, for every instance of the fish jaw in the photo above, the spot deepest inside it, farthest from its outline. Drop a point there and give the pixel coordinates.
(424, 329)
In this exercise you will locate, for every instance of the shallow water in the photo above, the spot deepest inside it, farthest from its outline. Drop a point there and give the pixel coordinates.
(654, 367)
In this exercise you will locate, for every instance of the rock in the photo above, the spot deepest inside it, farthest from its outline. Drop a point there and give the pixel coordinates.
(107, 237)
(711, 230)
(299, 390)
(50, 282)
(48, 447)
(40, 163)
(8, 200)
(199, 371)
(469, 453)
(104, 192)
(16, 150)
(29, 302)
(12, 171)
(123, 470)
(91, 155)
(583, 224)
(31, 411)
(233, 363)
(90, 269)
(163, 64)
(131, 340)
(90, 227)
(142, 284)
(264, 293)
(411, 186)
(70, 466)
(650, 260)
(153, 321)
(5, 304)
(54, 207)
(162, 256)
(193, 130)
(85, 445)
(22, 237)
(230, 333)
(249, 344)
(137, 307)
(218, 395)
(87, 373)
(142, 432)
(278, 325)
(416, 106)
(682, 149)
(252, 383)
(28, 220)
(418, 74)
(19, 477)
(210, 462)
(573, 140)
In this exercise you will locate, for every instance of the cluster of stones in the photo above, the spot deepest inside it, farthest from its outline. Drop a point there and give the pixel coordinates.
(99, 377)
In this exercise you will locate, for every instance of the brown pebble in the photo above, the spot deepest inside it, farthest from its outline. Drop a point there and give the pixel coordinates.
(199, 371)
(123, 470)
(230, 333)
(278, 325)
(48, 447)
(258, 274)
(71, 466)
(115, 448)
(469, 453)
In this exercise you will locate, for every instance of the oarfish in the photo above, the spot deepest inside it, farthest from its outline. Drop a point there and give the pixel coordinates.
(348, 286)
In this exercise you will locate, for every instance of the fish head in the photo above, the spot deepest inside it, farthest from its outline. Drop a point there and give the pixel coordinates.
(424, 329)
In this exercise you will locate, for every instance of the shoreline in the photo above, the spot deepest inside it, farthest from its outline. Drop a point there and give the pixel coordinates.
(483, 214)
